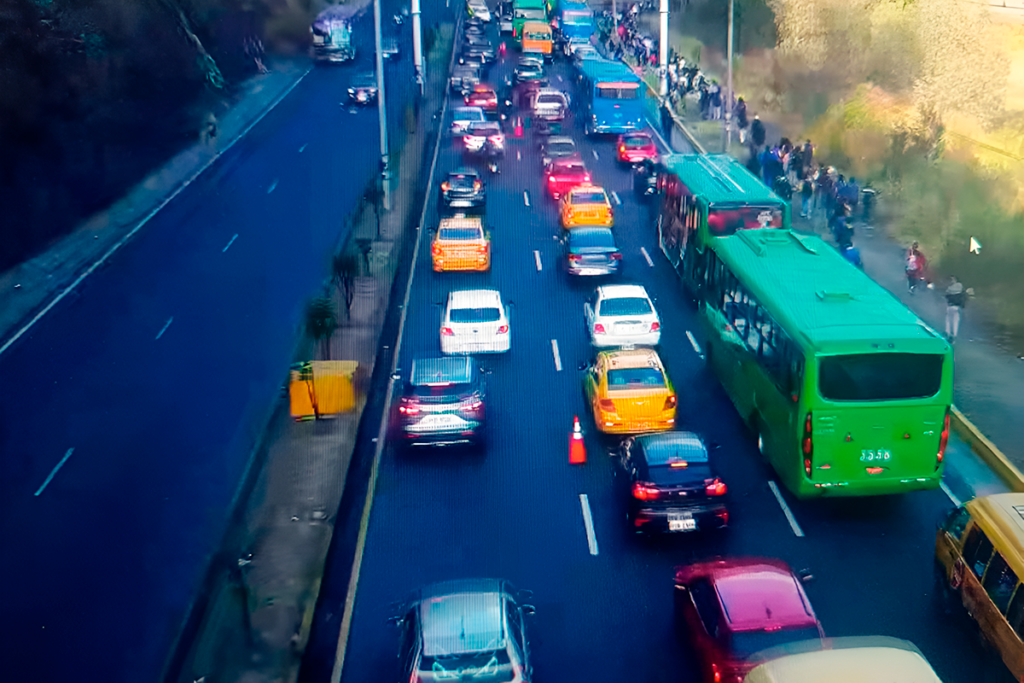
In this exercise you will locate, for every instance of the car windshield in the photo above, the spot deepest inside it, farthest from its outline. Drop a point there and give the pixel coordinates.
(638, 141)
(531, 14)
(475, 315)
(578, 18)
(634, 378)
(880, 376)
(538, 36)
(680, 473)
(480, 667)
(747, 643)
(569, 169)
(596, 197)
(627, 305)
(592, 239)
(459, 234)
(469, 115)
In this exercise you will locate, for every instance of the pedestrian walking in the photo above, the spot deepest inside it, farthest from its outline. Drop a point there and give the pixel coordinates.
(806, 193)
(807, 155)
(956, 299)
(667, 122)
(917, 268)
(741, 119)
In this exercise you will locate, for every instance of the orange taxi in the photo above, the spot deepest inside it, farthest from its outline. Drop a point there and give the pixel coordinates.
(461, 243)
(586, 205)
(629, 392)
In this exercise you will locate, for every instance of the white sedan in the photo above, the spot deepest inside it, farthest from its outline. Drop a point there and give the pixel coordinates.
(478, 8)
(462, 117)
(475, 321)
(622, 315)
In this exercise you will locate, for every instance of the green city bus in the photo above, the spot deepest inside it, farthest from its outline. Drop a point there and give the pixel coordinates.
(847, 391)
(706, 196)
(524, 11)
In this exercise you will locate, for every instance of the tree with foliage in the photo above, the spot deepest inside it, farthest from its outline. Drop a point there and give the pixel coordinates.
(345, 268)
(321, 322)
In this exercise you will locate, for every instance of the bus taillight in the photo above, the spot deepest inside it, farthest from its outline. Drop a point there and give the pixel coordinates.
(808, 445)
(943, 440)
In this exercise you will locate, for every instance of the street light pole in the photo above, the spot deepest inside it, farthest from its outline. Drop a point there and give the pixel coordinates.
(728, 94)
(381, 109)
(663, 50)
(417, 44)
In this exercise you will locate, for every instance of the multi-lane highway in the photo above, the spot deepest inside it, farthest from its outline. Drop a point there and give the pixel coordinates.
(604, 602)
(128, 412)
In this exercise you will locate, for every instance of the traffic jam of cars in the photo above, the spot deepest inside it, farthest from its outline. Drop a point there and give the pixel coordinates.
(668, 474)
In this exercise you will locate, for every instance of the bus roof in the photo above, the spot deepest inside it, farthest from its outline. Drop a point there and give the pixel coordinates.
(819, 297)
(608, 70)
(1001, 517)
(719, 178)
(849, 665)
(529, 4)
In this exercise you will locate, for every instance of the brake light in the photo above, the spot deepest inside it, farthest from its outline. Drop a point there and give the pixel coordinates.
(943, 441)
(715, 487)
(569, 211)
(808, 445)
(437, 250)
(670, 402)
(615, 256)
(409, 409)
(552, 179)
(607, 405)
(496, 139)
(472, 405)
(655, 326)
(643, 491)
(503, 329)
(586, 178)
(446, 186)
(716, 673)
(446, 332)
(598, 328)
(622, 149)
(476, 185)
(574, 257)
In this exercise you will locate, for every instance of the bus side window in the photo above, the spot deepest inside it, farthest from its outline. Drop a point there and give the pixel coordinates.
(1000, 582)
(956, 521)
(1015, 612)
(977, 551)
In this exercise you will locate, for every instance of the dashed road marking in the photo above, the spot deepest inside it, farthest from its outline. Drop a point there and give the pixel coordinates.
(303, 148)
(949, 494)
(164, 328)
(786, 511)
(588, 523)
(558, 358)
(519, 155)
(536, 258)
(615, 196)
(526, 197)
(230, 242)
(273, 186)
(594, 152)
(694, 344)
(647, 257)
(54, 471)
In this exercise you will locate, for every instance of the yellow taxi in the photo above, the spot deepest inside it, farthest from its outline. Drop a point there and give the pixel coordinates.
(586, 205)
(461, 243)
(629, 392)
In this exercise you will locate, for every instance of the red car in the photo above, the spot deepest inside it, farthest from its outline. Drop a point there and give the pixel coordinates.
(634, 148)
(735, 607)
(561, 175)
(483, 96)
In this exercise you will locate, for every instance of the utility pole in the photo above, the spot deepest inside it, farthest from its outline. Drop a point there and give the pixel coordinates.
(728, 94)
(615, 20)
(663, 50)
(382, 109)
(417, 44)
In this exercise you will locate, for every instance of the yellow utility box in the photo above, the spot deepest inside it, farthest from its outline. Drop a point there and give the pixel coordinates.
(322, 387)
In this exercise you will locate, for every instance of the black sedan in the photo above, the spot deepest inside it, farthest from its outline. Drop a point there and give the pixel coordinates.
(363, 89)
(591, 251)
(557, 147)
(442, 403)
(469, 51)
(463, 191)
(670, 484)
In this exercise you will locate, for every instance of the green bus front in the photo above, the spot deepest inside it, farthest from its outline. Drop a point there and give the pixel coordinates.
(524, 11)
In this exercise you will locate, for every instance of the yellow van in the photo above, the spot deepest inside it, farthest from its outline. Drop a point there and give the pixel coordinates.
(849, 660)
(537, 39)
(979, 562)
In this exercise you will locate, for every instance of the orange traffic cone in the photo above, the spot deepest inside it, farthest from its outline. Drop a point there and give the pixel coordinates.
(577, 449)
(518, 130)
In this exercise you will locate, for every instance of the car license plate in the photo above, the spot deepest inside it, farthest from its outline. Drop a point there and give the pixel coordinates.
(460, 202)
(683, 522)
(589, 271)
(440, 422)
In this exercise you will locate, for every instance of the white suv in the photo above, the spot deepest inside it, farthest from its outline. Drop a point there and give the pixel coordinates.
(475, 321)
(622, 315)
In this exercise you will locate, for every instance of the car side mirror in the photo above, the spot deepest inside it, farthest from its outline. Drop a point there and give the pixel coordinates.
(395, 620)
(805, 575)
(396, 376)
(528, 610)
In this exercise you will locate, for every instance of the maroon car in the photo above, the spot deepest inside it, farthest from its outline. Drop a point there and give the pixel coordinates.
(634, 148)
(483, 96)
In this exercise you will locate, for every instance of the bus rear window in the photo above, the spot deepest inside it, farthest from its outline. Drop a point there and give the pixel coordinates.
(723, 222)
(879, 376)
(618, 92)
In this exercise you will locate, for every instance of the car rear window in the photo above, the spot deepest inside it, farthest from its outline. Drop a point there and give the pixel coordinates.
(479, 667)
(591, 239)
(746, 643)
(475, 315)
(460, 234)
(627, 305)
(570, 169)
(463, 180)
(478, 129)
(879, 376)
(609, 92)
(669, 475)
(561, 148)
(633, 378)
(588, 198)
(637, 141)
(550, 99)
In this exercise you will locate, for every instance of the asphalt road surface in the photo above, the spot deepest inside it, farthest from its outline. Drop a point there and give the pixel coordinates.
(129, 411)
(515, 511)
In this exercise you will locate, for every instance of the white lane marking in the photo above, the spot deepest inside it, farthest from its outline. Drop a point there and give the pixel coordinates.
(588, 523)
(786, 511)
(167, 200)
(693, 343)
(594, 152)
(615, 196)
(949, 494)
(647, 257)
(303, 148)
(230, 242)
(519, 155)
(558, 358)
(53, 473)
(559, 77)
(364, 520)
(536, 258)
(273, 186)
(526, 197)
(164, 328)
